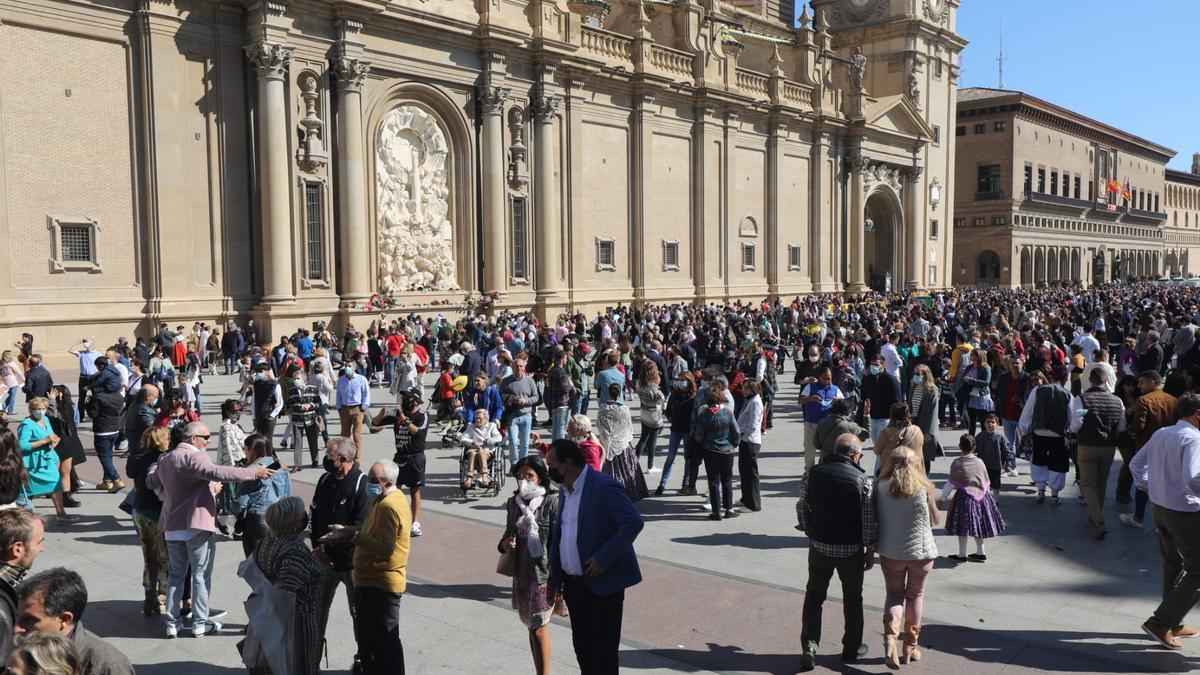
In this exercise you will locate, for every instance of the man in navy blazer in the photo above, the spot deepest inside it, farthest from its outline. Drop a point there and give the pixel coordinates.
(592, 560)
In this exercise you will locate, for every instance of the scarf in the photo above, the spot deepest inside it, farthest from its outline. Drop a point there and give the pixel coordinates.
(969, 474)
(12, 574)
(527, 526)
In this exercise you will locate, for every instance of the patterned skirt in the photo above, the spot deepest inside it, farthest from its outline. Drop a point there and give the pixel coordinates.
(626, 470)
(974, 518)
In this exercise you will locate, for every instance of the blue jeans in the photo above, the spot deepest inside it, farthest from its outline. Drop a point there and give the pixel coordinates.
(104, 451)
(581, 402)
(518, 437)
(10, 404)
(558, 422)
(229, 362)
(673, 443)
(1010, 432)
(876, 427)
(198, 552)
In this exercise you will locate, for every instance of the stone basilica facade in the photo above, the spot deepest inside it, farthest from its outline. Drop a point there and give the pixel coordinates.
(284, 159)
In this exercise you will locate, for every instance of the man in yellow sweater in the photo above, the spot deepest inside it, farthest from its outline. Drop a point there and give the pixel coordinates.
(381, 548)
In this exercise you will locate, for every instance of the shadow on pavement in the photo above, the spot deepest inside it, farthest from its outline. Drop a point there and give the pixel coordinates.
(721, 658)
(480, 592)
(1058, 651)
(746, 540)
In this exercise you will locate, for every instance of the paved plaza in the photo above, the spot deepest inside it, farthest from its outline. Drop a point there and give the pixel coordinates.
(717, 597)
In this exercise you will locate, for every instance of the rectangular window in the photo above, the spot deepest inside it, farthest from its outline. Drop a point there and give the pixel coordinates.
(1156, 202)
(793, 257)
(1077, 184)
(960, 222)
(606, 254)
(1142, 199)
(977, 221)
(980, 128)
(960, 131)
(670, 255)
(76, 243)
(520, 246)
(1000, 126)
(1053, 182)
(998, 220)
(314, 230)
(1028, 178)
(933, 229)
(937, 134)
(989, 182)
(938, 68)
(1091, 190)
(1041, 180)
(748, 256)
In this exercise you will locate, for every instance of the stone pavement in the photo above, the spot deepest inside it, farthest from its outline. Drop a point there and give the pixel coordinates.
(717, 597)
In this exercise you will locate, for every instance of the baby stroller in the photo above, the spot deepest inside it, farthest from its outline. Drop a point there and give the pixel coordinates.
(497, 470)
(452, 430)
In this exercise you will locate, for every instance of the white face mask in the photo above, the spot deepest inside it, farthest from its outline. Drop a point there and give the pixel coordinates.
(528, 489)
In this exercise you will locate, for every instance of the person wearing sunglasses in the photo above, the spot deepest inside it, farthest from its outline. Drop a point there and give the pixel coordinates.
(191, 481)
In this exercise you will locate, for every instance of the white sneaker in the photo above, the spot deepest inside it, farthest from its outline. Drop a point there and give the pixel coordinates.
(172, 631)
(1131, 521)
(207, 628)
(654, 469)
(416, 529)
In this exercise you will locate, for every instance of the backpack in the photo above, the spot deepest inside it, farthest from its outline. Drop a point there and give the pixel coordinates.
(165, 372)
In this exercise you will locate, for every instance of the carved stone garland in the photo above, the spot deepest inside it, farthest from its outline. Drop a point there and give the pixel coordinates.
(416, 237)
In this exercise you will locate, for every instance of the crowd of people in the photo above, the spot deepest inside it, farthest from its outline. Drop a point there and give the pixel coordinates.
(1066, 378)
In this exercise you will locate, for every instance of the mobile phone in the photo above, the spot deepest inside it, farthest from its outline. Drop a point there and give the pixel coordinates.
(275, 466)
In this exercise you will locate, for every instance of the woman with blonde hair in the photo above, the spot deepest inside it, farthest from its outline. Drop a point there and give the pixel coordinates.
(13, 377)
(37, 440)
(900, 431)
(923, 403)
(147, 505)
(906, 512)
(579, 429)
(44, 654)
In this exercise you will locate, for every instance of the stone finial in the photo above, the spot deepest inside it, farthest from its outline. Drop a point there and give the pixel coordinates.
(821, 25)
(805, 18)
(1196, 163)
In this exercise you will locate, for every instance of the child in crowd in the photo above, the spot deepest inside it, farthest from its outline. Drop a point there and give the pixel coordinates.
(994, 449)
(973, 512)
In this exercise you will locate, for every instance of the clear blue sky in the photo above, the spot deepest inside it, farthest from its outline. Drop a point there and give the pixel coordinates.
(1132, 65)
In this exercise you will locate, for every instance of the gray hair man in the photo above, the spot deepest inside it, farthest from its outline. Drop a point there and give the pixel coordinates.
(837, 512)
(341, 498)
(188, 520)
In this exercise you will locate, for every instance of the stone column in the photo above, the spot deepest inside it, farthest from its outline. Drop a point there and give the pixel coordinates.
(855, 279)
(271, 61)
(820, 212)
(350, 170)
(548, 226)
(640, 179)
(914, 228)
(775, 129)
(491, 106)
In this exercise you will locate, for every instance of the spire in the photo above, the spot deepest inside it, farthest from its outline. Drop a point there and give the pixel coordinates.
(821, 25)
(805, 17)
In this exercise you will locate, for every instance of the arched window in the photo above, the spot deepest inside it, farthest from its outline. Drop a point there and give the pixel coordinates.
(987, 268)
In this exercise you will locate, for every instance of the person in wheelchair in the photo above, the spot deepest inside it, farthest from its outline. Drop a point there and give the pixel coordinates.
(479, 440)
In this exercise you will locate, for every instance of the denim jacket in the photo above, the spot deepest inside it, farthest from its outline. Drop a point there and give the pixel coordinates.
(255, 496)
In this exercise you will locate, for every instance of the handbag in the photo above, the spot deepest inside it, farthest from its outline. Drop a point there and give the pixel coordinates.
(507, 564)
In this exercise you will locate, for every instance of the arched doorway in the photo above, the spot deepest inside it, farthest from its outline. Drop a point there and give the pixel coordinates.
(881, 240)
(1039, 267)
(1064, 271)
(1051, 265)
(1076, 266)
(1026, 267)
(987, 268)
(1172, 264)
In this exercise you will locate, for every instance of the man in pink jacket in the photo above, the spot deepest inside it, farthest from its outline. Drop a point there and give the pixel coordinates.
(188, 520)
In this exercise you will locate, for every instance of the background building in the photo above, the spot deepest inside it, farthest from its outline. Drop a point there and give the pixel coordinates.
(191, 159)
(1034, 203)
(1182, 227)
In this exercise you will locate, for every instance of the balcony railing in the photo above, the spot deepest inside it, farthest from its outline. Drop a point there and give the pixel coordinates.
(1148, 215)
(1045, 198)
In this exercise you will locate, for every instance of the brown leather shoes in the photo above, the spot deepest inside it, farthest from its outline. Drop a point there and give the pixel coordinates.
(1162, 635)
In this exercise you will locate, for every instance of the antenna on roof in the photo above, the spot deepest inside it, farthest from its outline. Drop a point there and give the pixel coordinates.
(1000, 58)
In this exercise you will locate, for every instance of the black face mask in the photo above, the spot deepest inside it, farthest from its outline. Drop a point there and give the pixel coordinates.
(556, 475)
(328, 465)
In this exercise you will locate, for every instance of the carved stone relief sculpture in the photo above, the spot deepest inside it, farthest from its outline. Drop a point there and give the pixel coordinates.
(416, 237)
(881, 173)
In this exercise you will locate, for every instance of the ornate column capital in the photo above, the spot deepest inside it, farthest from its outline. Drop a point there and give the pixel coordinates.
(544, 107)
(855, 161)
(349, 73)
(269, 59)
(492, 98)
(914, 172)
